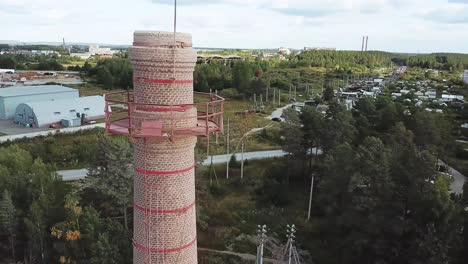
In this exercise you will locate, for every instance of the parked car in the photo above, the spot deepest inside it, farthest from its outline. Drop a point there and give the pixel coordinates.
(56, 125)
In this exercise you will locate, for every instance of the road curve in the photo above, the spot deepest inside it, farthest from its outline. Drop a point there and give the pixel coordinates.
(73, 175)
(278, 112)
(458, 181)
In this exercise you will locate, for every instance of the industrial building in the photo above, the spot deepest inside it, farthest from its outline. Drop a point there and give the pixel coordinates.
(11, 98)
(96, 50)
(70, 112)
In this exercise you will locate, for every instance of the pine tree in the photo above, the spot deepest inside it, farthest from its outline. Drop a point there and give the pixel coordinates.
(113, 175)
(8, 220)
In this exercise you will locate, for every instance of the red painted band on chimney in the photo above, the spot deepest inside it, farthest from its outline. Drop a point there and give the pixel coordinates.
(158, 211)
(156, 250)
(165, 109)
(160, 173)
(163, 81)
(149, 44)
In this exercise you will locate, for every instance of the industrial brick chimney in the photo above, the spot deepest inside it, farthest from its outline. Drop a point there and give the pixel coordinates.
(162, 119)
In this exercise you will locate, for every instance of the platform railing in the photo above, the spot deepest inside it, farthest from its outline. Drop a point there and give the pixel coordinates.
(121, 119)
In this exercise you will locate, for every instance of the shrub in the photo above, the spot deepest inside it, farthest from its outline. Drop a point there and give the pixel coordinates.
(231, 93)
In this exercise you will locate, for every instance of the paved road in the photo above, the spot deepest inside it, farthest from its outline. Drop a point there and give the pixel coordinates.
(458, 181)
(244, 256)
(278, 112)
(49, 132)
(219, 159)
(72, 175)
(8, 127)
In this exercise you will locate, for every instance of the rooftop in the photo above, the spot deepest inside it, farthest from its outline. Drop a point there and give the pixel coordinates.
(31, 90)
(68, 104)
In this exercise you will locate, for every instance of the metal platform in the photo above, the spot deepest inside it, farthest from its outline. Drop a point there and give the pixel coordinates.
(121, 118)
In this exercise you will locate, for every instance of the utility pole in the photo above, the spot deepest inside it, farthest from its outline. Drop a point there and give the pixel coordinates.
(310, 196)
(266, 97)
(255, 101)
(242, 160)
(295, 92)
(261, 236)
(274, 96)
(227, 151)
(290, 88)
(279, 97)
(261, 101)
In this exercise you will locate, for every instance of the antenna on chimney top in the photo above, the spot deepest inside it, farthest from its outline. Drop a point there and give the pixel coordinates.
(174, 48)
(175, 18)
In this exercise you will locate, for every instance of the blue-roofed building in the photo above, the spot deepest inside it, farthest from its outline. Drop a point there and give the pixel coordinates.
(45, 113)
(12, 97)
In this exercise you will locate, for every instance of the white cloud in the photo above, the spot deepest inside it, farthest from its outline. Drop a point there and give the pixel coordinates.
(400, 25)
(451, 13)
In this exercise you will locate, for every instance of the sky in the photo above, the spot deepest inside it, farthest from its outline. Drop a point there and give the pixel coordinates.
(413, 26)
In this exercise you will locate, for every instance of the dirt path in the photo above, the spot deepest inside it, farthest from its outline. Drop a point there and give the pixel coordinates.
(258, 129)
(278, 112)
(275, 114)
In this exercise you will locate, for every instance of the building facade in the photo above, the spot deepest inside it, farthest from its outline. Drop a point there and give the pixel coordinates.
(44, 113)
(96, 50)
(11, 98)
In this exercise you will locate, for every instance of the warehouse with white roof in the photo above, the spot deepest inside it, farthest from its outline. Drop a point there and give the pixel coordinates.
(12, 97)
(70, 111)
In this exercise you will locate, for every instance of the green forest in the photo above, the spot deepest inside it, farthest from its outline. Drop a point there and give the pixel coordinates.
(378, 197)
(378, 193)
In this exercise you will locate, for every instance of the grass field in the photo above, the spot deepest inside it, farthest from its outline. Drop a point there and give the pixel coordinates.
(230, 209)
(239, 124)
(80, 63)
